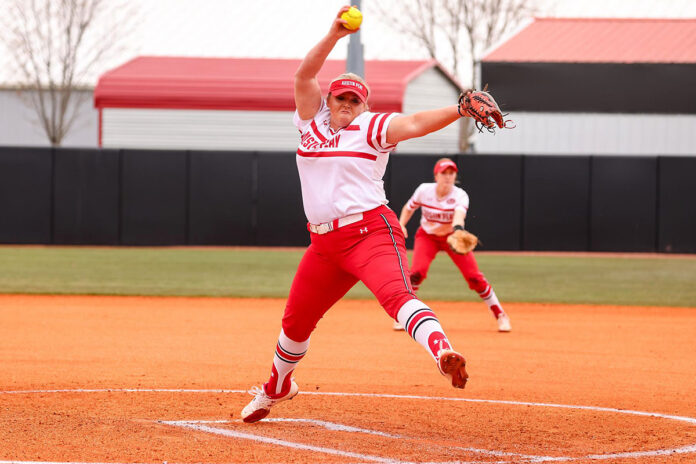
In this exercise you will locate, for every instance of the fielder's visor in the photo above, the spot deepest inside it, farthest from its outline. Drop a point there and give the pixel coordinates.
(342, 86)
(440, 166)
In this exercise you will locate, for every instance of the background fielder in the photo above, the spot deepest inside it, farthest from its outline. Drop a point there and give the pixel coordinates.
(443, 208)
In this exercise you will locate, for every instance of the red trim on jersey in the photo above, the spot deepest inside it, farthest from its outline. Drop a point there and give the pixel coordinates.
(369, 131)
(439, 222)
(383, 143)
(347, 128)
(379, 130)
(315, 129)
(328, 154)
(435, 207)
(432, 207)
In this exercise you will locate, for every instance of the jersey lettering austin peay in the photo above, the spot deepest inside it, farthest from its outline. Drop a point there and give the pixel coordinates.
(341, 159)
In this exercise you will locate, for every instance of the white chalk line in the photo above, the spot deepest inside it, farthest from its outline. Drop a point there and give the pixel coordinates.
(347, 428)
(690, 420)
(278, 442)
(199, 426)
(333, 426)
(531, 458)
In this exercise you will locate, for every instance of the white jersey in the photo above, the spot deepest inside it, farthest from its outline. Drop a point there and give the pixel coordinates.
(341, 172)
(437, 213)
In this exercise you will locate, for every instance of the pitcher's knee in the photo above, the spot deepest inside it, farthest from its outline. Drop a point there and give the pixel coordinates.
(477, 283)
(392, 304)
(297, 329)
(417, 278)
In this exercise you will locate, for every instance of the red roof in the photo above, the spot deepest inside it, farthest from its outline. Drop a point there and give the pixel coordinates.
(240, 83)
(609, 40)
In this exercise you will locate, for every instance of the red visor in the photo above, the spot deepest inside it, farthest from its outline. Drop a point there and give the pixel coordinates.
(440, 166)
(348, 85)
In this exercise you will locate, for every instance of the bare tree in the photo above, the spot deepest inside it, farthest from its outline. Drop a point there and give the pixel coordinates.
(457, 31)
(55, 47)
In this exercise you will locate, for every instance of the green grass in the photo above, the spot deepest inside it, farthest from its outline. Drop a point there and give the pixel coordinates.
(269, 272)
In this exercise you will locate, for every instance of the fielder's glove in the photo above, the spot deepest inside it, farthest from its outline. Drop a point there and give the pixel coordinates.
(461, 241)
(480, 105)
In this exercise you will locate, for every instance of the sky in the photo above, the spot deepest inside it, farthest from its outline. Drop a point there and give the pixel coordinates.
(277, 28)
(281, 29)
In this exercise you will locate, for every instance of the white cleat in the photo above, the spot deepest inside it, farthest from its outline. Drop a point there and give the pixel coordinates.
(504, 323)
(453, 366)
(397, 326)
(261, 405)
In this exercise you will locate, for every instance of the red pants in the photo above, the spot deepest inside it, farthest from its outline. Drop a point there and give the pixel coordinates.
(372, 250)
(426, 247)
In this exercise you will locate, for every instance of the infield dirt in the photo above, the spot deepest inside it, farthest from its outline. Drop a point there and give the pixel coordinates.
(627, 358)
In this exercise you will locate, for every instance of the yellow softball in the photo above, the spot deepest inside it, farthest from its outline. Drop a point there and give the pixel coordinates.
(354, 18)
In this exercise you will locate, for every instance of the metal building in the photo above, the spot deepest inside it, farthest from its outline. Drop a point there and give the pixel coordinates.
(20, 126)
(247, 104)
(596, 86)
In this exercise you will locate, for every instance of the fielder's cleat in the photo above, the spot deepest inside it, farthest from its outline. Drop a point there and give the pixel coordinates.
(453, 366)
(261, 405)
(397, 326)
(504, 323)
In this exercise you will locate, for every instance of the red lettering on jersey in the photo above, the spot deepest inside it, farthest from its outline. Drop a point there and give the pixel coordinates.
(333, 143)
(310, 143)
(438, 216)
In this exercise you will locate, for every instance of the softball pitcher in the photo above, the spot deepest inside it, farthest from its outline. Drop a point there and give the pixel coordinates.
(443, 209)
(341, 159)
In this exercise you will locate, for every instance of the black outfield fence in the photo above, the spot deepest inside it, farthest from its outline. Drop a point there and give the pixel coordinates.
(165, 197)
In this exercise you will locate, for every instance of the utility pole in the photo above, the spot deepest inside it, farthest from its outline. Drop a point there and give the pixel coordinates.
(356, 61)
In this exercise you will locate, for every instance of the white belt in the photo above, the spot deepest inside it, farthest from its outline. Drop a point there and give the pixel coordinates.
(327, 227)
